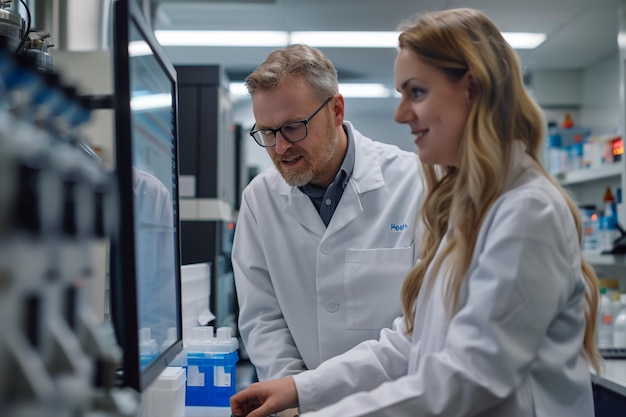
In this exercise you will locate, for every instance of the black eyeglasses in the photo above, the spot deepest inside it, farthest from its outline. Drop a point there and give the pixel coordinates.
(292, 132)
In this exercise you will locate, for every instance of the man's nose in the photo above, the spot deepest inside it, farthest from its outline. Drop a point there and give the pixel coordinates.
(282, 144)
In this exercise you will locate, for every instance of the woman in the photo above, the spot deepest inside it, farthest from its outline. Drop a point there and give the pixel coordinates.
(499, 313)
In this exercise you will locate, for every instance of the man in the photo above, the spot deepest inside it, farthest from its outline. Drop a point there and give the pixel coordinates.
(324, 238)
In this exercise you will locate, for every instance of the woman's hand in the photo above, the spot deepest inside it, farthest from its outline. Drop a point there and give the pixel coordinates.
(263, 398)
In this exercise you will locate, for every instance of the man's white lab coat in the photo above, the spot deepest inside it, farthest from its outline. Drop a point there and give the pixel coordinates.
(307, 292)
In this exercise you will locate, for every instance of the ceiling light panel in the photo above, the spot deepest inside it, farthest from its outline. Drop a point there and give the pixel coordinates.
(346, 39)
(348, 90)
(262, 38)
(320, 39)
(524, 40)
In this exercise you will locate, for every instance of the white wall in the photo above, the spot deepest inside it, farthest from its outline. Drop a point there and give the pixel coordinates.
(601, 107)
(590, 95)
(557, 88)
(375, 120)
(91, 73)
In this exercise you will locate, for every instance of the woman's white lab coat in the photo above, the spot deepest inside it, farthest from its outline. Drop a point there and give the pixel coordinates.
(308, 292)
(513, 349)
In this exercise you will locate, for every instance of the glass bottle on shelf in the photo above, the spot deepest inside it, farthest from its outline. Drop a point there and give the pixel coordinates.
(590, 227)
(619, 325)
(605, 321)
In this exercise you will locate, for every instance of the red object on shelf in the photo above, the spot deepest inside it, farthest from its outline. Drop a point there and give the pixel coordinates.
(608, 196)
(567, 122)
(617, 145)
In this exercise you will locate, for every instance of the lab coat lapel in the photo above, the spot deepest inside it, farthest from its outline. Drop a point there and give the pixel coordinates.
(349, 208)
(366, 177)
(300, 207)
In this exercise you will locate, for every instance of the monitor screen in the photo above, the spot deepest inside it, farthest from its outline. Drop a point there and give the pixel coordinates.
(145, 254)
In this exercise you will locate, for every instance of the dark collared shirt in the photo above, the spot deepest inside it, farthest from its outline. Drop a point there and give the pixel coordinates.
(326, 200)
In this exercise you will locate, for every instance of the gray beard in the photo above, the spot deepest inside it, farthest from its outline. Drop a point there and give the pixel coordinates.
(297, 179)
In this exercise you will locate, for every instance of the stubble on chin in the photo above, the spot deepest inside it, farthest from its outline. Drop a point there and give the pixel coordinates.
(295, 177)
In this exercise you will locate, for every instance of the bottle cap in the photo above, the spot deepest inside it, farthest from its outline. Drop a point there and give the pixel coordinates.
(223, 334)
(145, 335)
(147, 345)
(201, 334)
(171, 333)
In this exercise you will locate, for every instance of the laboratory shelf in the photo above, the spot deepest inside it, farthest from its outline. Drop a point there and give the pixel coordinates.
(591, 174)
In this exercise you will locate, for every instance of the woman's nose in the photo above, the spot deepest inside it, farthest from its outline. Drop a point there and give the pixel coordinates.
(404, 113)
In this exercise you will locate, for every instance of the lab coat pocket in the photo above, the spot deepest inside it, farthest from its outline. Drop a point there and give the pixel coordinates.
(372, 283)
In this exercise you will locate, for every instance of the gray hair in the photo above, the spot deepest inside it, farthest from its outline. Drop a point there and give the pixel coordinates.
(297, 59)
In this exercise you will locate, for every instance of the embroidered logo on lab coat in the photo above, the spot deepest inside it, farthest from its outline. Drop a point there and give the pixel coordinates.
(398, 227)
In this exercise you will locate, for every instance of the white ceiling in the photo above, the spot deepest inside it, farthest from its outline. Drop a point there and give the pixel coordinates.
(579, 31)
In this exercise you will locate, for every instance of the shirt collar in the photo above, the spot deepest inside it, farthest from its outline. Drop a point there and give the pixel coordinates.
(344, 173)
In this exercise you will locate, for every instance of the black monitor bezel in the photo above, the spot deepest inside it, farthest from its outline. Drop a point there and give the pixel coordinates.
(123, 282)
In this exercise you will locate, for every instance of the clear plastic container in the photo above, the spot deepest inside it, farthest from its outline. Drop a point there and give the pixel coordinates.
(166, 396)
(181, 359)
(590, 227)
(619, 325)
(211, 367)
(148, 348)
(556, 156)
(607, 233)
(605, 321)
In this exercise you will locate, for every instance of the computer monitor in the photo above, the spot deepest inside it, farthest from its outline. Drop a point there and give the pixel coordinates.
(145, 253)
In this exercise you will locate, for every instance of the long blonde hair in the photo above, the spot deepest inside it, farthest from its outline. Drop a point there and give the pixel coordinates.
(457, 41)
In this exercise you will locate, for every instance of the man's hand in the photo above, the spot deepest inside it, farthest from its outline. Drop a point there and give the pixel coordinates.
(263, 398)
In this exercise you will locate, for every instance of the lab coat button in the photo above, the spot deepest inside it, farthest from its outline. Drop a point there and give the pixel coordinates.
(332, 306)
(326, 248)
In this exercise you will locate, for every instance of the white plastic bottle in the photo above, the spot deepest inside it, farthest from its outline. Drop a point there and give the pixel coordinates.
(199, 375)
(181, 358)
(607, 233)
(227, 346)
(148, 348)
(617, 306)
(619, 325)
(605, 321)
(590, 228)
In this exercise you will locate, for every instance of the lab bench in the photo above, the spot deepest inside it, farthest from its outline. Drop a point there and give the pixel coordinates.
(207, 412)
(609, 389)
